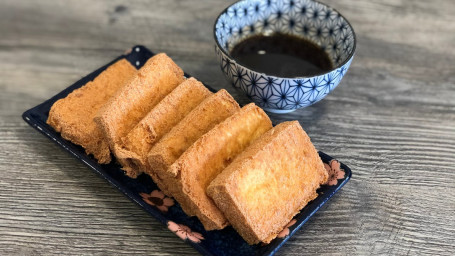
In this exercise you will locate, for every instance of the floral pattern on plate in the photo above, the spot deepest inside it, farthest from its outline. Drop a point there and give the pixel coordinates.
(335, 172)
(285, 232)
(158, 199)
(184, 232)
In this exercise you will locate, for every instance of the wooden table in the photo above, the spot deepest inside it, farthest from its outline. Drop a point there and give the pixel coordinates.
(392, 120)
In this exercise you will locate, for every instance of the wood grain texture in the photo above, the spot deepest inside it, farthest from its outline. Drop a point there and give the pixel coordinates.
(392, 120)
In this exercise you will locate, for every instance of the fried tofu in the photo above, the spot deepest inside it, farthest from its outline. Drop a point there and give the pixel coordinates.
(159, 121)
(73, 115)
(208, 156)
(268, 183)
(203, 118)
(156, 79)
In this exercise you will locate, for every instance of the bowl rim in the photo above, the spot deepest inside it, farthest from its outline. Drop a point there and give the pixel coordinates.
(351, 55)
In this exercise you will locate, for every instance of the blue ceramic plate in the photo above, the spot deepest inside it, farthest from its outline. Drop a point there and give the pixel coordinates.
(145, 193)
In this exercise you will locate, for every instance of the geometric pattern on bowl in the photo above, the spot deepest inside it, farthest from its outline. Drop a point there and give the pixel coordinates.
(311, 20)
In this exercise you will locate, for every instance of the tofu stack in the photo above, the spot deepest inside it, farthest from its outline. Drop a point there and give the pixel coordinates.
(158, 122)
(131, 103)
(224, 164)
(202, 119)
(191, 174)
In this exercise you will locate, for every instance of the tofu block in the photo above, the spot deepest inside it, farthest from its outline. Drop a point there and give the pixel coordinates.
(202, 119)
(269, 182)
(210, 155)
(73, 115)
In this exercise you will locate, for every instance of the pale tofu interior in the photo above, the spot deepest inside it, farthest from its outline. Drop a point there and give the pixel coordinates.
(268, 184)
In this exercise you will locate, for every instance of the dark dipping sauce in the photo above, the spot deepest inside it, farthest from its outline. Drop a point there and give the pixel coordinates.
(282, 55)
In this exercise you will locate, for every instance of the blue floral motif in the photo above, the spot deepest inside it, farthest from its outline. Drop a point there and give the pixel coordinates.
(313, 20)
(298, 90)
(252, 83)
(311, 8)
(239, 76)
(330, 28)
(292, 5)
(330, 80)
(316, 31)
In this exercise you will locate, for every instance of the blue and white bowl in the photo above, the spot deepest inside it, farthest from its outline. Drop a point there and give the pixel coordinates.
(309, 19)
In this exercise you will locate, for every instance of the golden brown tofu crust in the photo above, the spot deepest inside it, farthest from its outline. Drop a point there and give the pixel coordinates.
(208, 156)
(269, 183)
(73, 115)
(200, 120)
(157, 78)
(159, 121)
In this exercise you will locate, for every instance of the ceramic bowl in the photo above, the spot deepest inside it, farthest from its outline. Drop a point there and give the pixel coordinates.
(311, 20)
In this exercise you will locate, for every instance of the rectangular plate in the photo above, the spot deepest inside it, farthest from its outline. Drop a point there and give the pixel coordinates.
(220, 242)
